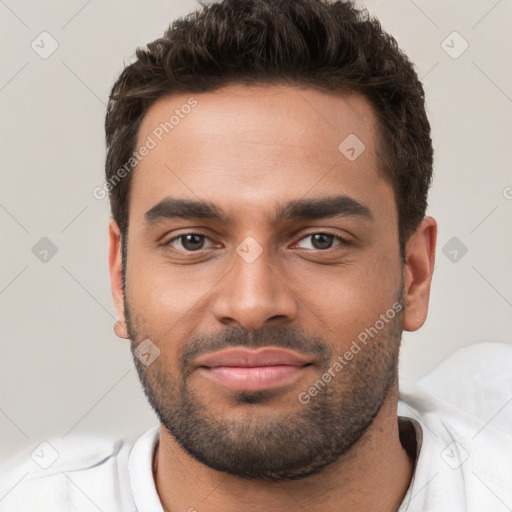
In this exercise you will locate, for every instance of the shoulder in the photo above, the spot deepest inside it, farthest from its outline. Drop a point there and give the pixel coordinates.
(82, 472)
(464, 409)
(477, 379)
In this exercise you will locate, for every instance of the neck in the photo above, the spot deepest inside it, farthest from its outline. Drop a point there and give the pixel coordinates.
(373, 475)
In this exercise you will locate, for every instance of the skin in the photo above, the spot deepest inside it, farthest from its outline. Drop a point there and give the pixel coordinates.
(248, 149)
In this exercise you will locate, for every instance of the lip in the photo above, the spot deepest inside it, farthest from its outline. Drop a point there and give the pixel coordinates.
(241, 369)
(246, 358)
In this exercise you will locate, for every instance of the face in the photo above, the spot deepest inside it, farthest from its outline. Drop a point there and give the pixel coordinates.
(254, 225)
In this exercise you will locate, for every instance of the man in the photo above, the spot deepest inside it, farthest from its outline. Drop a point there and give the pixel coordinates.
(268, 167)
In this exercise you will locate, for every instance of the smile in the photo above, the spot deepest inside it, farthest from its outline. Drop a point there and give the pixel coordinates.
(239, 368)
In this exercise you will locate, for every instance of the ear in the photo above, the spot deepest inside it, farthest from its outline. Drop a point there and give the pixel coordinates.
(114, 261)
(419, 265)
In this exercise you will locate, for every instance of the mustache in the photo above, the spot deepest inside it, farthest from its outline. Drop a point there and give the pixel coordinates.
(282, 337)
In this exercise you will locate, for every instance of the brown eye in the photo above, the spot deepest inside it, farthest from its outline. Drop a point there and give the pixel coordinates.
(189, 242)
(323, 241)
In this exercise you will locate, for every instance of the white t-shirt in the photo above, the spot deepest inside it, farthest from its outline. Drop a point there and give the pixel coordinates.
(464, 452)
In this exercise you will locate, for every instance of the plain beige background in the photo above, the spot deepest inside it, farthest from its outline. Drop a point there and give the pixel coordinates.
(62, 370)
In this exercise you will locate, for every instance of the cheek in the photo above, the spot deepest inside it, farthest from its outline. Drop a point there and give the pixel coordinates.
(166, 300)
(349, 299)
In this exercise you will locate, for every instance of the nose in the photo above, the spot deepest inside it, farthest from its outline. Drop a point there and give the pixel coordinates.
(254, 292)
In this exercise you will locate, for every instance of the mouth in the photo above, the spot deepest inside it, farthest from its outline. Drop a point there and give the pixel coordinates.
(241, 369)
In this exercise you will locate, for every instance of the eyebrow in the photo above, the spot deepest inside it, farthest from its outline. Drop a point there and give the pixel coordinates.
(298, 209)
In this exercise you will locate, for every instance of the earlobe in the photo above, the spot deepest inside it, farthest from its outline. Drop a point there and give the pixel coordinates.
(115, 266)
(418, 269)
(121, 329)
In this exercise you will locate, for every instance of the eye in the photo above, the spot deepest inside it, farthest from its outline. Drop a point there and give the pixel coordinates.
(322, 241)
(189, 242)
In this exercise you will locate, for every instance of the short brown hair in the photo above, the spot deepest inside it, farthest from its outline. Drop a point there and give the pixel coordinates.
(329, 46)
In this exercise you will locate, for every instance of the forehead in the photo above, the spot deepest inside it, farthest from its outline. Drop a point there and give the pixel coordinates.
(253, 146)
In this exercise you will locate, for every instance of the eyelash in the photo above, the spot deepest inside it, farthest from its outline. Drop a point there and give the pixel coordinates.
(342, 241)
